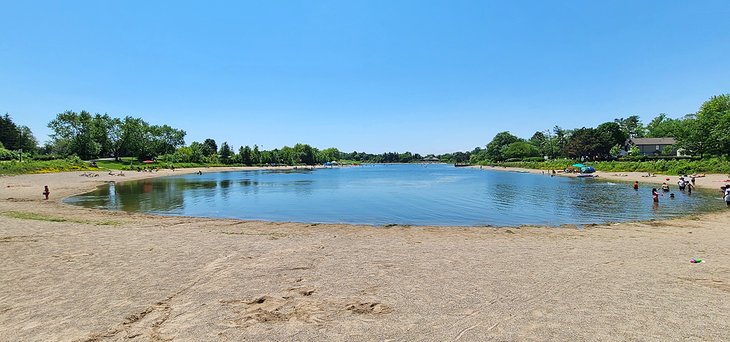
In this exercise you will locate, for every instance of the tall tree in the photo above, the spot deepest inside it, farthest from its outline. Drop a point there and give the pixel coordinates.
(16, 137)
(226, 153)
(209, 147)
(244, 155)
(663, 126)
(520, 149)
(583, 143)
(713, 119)
(74, 133)
(494, 148)
(632, 126)
(608, 135)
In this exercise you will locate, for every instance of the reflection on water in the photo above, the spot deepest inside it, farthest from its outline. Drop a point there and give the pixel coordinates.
(402, 194)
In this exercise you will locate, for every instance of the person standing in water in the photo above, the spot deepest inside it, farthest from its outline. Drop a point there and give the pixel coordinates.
(654, 195)
(636, 185)
(727, 196)
(689, 188)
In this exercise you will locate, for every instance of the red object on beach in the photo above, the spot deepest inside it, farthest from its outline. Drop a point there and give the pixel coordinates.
(148, 161)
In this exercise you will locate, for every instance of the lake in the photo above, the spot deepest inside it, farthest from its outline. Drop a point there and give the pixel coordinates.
(433, 194)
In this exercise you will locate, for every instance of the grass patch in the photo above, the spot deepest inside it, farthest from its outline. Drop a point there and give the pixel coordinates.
(15, 167)
(668, 167)
(50, 218)
(33, 216)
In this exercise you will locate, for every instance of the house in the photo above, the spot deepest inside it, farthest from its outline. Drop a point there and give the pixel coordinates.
(652, 146)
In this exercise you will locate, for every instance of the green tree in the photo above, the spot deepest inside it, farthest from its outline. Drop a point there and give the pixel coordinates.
(608, 134)
(244, 154)
(256, 155)
(632, 126)
(494, 148)
(713, 120)
(209, 147)
(225, 153)
(663, 126)
(304, 154)
(615, 150)
(165, 139)
(74, 133)
(583, 143)
(328, 155)
(520, 149)
(134, 139)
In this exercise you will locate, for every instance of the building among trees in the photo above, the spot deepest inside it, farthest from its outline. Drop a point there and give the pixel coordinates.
(654, 146)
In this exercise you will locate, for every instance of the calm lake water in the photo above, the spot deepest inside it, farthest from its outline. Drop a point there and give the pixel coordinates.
(396, 194)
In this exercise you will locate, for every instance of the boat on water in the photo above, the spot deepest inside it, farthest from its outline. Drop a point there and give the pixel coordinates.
(460, 165)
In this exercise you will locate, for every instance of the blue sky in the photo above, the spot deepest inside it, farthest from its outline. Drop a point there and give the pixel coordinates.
(373, 76)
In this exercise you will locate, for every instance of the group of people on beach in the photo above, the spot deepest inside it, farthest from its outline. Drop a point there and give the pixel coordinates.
(682, 184)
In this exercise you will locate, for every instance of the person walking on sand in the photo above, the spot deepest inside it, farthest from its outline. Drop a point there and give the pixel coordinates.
(46, 192)
(654, 195)
(636, 185)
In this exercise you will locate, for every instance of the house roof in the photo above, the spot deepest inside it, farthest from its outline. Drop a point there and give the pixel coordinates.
(654, 141)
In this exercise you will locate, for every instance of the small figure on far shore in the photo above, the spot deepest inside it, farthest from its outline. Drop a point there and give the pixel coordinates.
(636, 185)
(693, 180)
(46, 192)
(654, 195)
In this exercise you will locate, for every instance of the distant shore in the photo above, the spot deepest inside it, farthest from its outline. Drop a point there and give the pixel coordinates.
(78, 274)
(705, 181)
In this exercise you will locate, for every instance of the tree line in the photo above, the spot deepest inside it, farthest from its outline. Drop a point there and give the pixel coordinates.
(92, 136)
(704, 133)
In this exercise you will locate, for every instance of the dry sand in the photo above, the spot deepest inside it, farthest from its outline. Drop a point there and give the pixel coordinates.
(75, 274)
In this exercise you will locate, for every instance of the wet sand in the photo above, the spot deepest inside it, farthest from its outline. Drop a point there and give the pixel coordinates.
(76, 274)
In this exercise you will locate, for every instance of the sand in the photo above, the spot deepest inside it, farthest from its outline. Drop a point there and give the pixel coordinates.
(75, 274)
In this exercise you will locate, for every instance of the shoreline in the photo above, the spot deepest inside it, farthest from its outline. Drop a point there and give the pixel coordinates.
(78, 274)
(709, 181)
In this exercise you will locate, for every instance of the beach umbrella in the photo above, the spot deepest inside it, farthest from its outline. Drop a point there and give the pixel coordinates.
(578, 165)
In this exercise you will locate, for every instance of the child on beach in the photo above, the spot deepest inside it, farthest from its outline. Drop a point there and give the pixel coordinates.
(46, 192)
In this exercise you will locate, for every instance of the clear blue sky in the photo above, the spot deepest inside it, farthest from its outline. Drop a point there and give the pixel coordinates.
(373, 76)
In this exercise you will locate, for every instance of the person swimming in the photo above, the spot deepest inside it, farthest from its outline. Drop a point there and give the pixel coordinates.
(636, 185)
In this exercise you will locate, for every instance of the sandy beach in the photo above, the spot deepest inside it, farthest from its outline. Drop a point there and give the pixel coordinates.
(75, 274)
